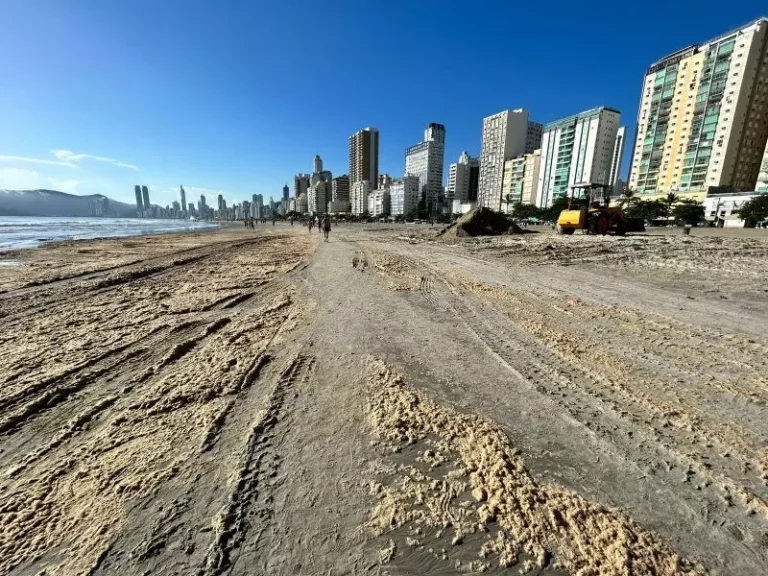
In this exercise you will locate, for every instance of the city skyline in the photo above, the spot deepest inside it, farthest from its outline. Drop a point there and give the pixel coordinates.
(98, 137)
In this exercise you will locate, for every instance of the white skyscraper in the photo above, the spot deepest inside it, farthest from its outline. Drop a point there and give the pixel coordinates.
(618, 153)
(507, 134)
(425, 161)
(577, 150)
(358, 196)
(404, 196)
(460, 179)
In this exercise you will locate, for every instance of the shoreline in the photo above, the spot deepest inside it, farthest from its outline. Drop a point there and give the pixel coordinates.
(55, 261)
(120, 232)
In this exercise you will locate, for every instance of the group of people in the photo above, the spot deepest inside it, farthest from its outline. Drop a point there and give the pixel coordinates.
(324, 225)
(251, 222)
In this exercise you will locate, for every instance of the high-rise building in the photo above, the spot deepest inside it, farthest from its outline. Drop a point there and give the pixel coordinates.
(379, 202)
(300, 184)
(358, 196)
(341, 188)
(618, 153)
(221, 204)
(340, 194)
(460, 178)
(286, 196)
(521, 178)
(318, 164)
(319, 195)
(404, 196)
(145, 201)
(533, 136)
(702, 123)
(183, 198)
(425, 161)
(577, 150)
(302, 205)
(139, 205)
(364, 156)
(507, 134)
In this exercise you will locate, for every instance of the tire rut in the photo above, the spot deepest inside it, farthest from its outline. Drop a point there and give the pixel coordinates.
(248, 512)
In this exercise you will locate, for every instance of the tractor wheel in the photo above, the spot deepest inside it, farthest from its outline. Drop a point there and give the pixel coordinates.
(602, 225)
(621, 228)
(592, 225)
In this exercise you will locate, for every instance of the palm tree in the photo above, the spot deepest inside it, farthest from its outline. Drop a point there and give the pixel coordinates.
(627, 197)
(671, 199)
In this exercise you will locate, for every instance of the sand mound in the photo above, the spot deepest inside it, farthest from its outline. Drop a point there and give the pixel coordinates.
(484, 222)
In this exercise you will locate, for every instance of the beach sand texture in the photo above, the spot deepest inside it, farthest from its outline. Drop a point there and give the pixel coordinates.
(389, 402)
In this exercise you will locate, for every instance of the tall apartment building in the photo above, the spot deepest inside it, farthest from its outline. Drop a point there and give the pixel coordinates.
(341, 188)
(318, 163)
(364, 156)
(302, 204)
(379, 202)
(404, 196)
(300, 184)
(618, 154)
(358, 196)
(425, 161)
(702, 123)
(340, 194)
(521, 179)
(319, 195)
(533, 135)
(507, 134)
(577, 150)
(145, 201)
(183, 198)
(139, 205)
(462, 179)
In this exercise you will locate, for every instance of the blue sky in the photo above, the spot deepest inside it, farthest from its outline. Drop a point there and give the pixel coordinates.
(237, 96)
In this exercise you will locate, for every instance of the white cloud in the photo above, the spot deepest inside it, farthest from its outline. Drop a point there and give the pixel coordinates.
(22, 179)
(68, 156)
(62, 162)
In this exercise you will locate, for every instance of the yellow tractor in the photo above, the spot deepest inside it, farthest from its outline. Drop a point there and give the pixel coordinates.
(588, 210)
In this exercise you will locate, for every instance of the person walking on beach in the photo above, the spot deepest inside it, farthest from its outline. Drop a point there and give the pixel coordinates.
(326, 227)
(309, 225)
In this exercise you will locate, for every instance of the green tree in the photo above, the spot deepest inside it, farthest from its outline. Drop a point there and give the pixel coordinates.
(627, 197)
(755, 210)
(553, 212)
(647, 209)
(525, 211)
(689, 211)
(669, 201)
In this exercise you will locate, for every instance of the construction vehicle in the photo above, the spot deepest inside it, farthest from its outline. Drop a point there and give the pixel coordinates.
(589, 210)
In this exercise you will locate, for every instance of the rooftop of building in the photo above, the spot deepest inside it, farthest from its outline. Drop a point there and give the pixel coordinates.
(694, 48)
(578, 116)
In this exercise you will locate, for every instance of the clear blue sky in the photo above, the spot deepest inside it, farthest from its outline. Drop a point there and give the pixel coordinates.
(237, 96)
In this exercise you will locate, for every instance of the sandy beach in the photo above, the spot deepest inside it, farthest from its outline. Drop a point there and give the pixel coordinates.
(389, 402)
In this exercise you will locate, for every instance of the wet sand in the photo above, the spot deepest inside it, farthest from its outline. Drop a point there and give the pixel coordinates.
(262, 402)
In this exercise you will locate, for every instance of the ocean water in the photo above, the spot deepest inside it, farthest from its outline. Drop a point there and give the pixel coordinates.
(21, 232)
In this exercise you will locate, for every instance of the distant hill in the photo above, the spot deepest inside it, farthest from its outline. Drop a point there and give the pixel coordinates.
(55, 203)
